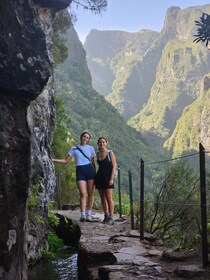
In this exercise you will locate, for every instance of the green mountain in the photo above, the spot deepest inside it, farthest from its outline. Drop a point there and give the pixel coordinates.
(113, 58)
(178, 77)
(179, 72)
(164, 79)
(193, 126)
(90, 111)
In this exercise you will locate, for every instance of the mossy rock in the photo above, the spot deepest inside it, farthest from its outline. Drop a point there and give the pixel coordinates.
(68, 230)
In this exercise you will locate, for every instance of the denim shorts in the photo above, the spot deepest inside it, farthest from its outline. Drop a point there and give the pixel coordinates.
(85, 172)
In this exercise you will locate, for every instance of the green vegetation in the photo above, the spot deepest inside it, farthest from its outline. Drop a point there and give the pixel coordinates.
(54, 243)
(169, 96)
(187, 134)
(203, 30)
(172, 210)
(125, 203)
(62, 142)
(34, 214)
(61, 23)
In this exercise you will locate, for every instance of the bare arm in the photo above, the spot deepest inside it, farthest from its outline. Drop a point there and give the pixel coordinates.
(93, 163)
(113, 162)
(62, 161)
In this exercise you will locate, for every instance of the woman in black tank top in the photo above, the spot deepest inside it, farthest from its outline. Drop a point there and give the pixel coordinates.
(104, 179)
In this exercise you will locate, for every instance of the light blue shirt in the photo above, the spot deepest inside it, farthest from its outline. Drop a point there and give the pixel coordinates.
(79, 158)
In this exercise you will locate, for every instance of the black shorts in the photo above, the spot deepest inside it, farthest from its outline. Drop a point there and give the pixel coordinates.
(85, 172)
(106, 187)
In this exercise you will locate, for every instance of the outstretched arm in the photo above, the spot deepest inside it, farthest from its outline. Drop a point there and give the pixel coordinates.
(62, 161)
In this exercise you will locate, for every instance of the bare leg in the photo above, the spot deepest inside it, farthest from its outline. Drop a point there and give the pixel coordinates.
(83, 192)
(108, 197)
(90, 192)
(103, 200)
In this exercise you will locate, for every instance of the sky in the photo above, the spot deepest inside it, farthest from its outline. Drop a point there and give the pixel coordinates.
(129, 15)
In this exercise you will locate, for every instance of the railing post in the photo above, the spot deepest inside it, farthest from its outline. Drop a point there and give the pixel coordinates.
(142, 200)
(119, 193)
(131, 199)
(203, 206)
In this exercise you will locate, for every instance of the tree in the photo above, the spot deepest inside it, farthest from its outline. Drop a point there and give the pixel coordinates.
(171, 214)
(96, 6)
(61, 23)
(203, 31)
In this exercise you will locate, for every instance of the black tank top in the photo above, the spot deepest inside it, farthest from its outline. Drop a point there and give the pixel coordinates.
(104, 173)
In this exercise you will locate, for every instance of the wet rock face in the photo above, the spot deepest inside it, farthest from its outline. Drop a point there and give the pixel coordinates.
(14, 182)
(25, 69)
(41, 117)
(25, 64)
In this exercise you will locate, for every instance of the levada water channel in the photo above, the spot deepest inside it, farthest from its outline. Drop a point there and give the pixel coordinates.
(64, 268)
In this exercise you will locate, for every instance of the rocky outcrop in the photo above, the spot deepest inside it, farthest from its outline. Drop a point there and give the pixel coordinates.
(14, 183)
(41, 114)
(25, 69)
(68, 230)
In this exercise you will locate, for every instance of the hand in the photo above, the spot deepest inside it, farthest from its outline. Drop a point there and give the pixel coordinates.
(111, 182)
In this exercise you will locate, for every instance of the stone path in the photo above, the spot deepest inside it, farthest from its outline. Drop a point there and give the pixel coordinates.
(116, 252)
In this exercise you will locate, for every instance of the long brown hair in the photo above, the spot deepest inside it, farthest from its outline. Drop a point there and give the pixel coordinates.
(102, 137)
(84, 134)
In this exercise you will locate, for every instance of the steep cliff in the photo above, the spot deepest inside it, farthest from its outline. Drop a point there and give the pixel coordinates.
(193, 126)
(25, 69)
(179, 72)
(114, 66)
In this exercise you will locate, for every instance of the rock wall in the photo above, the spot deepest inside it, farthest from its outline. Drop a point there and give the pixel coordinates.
(41, 114)
(25, 69)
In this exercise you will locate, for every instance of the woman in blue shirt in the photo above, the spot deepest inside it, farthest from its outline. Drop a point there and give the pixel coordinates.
(84, 155)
